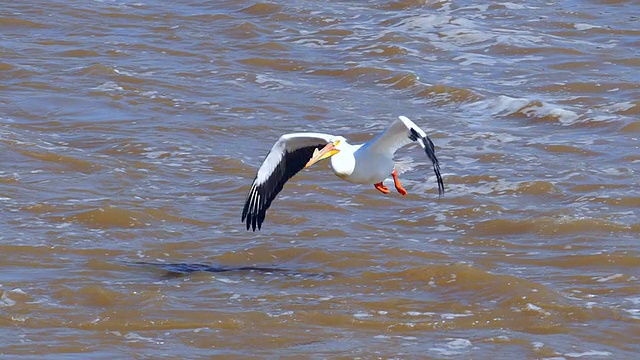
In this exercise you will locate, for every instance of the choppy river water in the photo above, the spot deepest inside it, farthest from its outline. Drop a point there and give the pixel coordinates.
(130, 132)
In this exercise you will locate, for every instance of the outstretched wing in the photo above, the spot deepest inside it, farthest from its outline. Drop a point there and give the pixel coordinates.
(287, 157)
(403, 132)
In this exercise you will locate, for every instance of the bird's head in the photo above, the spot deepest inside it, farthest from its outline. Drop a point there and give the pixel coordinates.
(333, 147)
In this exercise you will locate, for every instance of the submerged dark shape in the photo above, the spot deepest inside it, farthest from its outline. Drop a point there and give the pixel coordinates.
(175, 270)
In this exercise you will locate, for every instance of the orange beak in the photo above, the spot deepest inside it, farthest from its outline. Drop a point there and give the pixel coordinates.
(326, 152)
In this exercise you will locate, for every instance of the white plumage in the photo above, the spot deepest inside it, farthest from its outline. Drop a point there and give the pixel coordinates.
(368, 163)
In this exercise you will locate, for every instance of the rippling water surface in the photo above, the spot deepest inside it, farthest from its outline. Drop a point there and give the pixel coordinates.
(131, 130)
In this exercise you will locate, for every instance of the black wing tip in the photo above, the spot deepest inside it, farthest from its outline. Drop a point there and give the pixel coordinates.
(255, 212)
(436, 169)
(430, 149)
(252, 213)
(251, 222)
(254, 221)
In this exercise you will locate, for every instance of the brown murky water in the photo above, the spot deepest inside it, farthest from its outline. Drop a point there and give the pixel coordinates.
(131, 130)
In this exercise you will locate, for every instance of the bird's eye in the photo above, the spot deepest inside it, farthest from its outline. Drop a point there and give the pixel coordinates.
(336, 143)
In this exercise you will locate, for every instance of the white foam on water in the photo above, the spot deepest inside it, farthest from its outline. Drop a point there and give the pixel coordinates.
(588, 353)
(5, 301)
(109, 86)
(635, 313)
(607, 278)
(512, 6)
(476, 59)
(505, 105)
(500, 105)
(284, 313)
(583, 26)
(227, 280)
(453, 347)
(565, 117)
(449, 316)
(459, 343)
(312, 43)
(531, 306)
(418, 313)
(620, 106)
(634, 300)
(362, 315)
(271, 83)
(135, 337)
(443, 228)
(537, 308)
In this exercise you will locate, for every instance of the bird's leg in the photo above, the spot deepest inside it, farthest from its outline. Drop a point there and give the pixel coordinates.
(397, 183)
(383, 189)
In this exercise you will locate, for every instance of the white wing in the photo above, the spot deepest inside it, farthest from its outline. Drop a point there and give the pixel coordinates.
(287, 157)
(403, 132)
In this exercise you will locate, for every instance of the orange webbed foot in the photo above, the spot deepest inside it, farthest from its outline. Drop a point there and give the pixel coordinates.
(398, 184)
(383, 189)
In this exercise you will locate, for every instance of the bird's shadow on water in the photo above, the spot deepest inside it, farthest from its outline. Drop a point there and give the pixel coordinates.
(179, 270)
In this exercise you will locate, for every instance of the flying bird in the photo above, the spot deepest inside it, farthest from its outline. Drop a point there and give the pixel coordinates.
(368, 163)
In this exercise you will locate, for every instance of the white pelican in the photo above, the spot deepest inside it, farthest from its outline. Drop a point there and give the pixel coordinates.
(368, 163)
